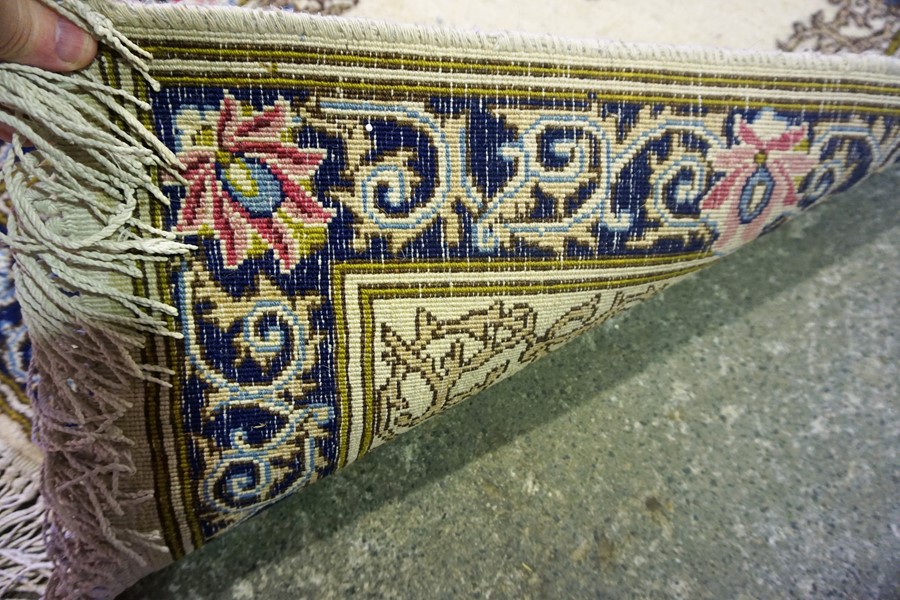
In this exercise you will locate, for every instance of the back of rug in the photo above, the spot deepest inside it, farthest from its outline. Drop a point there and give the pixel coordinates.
(251, 246)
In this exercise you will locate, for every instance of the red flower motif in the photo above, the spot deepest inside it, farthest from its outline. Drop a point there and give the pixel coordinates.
(249, 184)
(760, 185)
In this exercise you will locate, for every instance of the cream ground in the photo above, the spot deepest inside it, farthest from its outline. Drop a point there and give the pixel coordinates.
(752, 25)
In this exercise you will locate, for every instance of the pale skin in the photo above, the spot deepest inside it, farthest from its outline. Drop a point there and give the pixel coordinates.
(33, 34)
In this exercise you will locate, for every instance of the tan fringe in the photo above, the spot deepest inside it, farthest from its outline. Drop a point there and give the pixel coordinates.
(24, 565)
(77, 239)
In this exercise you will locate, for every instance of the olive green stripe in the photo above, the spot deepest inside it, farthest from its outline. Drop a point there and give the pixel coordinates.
(457, 66)
(389, 89)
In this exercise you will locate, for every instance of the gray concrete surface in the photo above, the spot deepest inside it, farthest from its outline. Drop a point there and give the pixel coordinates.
(736, 437)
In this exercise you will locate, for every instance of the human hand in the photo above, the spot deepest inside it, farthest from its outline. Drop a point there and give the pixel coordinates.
(32, 34)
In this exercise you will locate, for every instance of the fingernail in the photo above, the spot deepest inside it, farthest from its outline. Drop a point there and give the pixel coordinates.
(70, 42)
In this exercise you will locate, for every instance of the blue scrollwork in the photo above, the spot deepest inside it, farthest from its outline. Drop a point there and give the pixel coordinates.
(387, 196)
(552, 149)
(275, 341)
(847, 152)
(264, 458)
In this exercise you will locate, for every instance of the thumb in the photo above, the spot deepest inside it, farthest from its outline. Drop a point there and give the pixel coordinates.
(32, 34)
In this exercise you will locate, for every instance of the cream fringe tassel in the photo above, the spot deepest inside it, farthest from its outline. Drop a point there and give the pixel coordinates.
(24, 566)
(77, 241)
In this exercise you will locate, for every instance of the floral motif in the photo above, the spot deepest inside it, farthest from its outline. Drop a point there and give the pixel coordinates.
(762, 173)
(848, 26)
(248, 184)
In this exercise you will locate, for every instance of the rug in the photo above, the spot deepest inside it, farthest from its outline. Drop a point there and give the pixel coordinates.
(251, 246)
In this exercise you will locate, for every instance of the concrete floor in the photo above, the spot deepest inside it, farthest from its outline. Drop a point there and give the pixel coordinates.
(736, 437)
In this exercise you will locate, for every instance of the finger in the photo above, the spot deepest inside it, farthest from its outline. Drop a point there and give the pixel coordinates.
(32, 34)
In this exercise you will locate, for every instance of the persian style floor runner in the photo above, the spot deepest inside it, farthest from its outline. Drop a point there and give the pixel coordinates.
(249, 246)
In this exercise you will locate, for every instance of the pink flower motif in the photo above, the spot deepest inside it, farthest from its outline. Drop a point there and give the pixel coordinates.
(762, 172)
(248, 183)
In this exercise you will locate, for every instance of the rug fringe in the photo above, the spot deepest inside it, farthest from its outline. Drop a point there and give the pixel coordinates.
(24, 566)
(77, 239)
